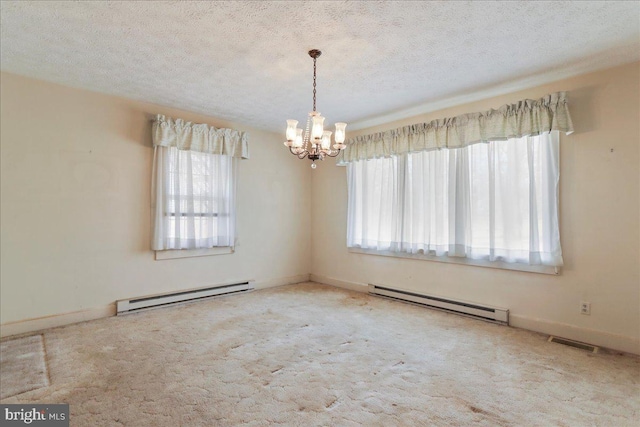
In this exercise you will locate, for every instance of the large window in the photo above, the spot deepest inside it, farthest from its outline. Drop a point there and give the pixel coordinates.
(495, 201)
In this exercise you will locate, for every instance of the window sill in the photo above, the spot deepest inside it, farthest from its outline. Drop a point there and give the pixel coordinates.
(541, 269)
(190, 253)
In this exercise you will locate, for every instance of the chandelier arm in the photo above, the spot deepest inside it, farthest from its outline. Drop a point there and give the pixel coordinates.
(333, 155)
(300, 155)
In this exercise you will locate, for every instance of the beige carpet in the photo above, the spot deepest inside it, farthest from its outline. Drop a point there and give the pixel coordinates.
(307, 355)
(22, 366)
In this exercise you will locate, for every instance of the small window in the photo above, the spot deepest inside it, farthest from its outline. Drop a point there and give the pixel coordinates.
(194, 199)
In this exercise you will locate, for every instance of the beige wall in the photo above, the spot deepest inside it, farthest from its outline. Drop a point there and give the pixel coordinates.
(599, 224)
(76, 169)
(75, 188)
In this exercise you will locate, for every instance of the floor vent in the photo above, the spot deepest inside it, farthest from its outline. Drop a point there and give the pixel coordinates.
(576, 344)
(153, 301)
(494, 314)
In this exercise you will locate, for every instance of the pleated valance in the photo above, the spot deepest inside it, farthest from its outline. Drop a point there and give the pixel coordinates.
(169, 132)
(526, 117)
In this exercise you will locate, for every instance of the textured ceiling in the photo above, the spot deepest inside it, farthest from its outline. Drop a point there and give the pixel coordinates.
(247, 61)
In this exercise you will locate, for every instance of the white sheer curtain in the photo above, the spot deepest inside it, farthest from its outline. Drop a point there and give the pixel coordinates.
(496, 201)
(194, 184)
(193, 199)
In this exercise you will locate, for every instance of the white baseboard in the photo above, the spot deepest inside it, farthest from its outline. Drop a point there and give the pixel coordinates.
(55, 320)
(352, 286)
(37, 324)
(563, 330)
(280, 281)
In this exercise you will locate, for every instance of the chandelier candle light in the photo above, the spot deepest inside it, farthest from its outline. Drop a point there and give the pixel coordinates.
(315, 144)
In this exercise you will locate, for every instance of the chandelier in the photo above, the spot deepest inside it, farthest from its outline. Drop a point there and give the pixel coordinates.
(314, 144)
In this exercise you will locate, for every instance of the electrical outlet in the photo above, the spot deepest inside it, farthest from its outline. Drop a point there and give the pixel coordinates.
(585, 308)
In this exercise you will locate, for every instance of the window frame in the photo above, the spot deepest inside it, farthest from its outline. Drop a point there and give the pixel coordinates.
(500, 265)
(192, 253)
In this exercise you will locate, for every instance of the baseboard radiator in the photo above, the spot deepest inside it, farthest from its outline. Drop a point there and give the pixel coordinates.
(152, 301)
(494, 314)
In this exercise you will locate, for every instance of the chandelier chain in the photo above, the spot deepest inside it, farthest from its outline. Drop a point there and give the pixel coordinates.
(314, 84)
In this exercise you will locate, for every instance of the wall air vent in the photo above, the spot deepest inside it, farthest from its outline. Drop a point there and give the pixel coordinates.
(576, 344)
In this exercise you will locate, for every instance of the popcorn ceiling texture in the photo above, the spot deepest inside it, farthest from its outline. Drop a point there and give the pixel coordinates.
(247, 62)
(311, 355)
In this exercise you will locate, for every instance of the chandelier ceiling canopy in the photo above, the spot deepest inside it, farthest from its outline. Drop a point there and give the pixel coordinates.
(314, 142)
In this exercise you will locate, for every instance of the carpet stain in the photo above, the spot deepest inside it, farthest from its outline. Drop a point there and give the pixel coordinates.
(335, 402)
(478, 410)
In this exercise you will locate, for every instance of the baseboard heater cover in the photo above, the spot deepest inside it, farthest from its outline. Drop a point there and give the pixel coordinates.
(140, 303)
(495, 314)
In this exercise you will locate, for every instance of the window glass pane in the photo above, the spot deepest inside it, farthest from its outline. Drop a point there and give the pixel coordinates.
(199, 196)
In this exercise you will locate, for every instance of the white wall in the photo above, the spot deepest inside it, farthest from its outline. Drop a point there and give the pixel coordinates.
(599, 217)
(75, 219)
